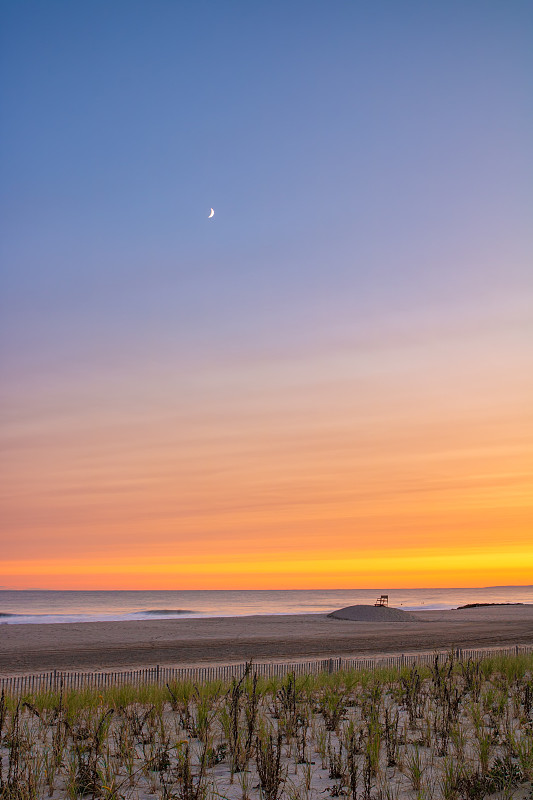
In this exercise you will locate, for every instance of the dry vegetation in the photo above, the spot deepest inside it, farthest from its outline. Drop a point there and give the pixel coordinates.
(456, 731)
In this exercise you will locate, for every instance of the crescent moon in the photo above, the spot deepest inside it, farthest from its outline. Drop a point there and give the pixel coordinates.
(212, 214)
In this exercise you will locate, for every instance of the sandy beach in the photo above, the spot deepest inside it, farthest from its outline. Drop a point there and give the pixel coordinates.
(125, 645)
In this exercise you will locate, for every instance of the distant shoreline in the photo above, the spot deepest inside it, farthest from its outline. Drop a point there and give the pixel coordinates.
(485, 605)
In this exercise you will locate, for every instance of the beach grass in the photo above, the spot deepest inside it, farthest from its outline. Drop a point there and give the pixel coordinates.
(456, 730)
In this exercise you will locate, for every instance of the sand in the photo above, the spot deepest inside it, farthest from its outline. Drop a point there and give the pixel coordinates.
(373, 614)
(141, 745)
(129, 645)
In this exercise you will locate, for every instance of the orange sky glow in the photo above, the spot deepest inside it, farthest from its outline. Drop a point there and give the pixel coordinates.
(332, 471)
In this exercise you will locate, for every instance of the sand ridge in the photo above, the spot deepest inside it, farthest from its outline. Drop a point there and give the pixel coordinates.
(373, 614)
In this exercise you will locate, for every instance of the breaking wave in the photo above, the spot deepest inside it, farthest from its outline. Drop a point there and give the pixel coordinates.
(166, 611)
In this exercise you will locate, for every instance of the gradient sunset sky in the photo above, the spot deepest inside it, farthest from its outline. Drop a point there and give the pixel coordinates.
(328, 384)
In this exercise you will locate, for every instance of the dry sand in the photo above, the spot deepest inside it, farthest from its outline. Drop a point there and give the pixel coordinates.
(373, 614)
(130, 645)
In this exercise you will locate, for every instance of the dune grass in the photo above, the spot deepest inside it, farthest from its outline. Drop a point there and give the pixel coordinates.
(452, 730)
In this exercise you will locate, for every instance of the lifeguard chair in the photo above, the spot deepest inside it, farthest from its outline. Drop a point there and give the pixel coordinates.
(382, 601)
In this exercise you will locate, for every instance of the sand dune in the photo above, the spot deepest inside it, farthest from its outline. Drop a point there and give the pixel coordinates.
(373, 614)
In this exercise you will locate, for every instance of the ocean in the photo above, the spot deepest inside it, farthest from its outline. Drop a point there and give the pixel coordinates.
(48, 606)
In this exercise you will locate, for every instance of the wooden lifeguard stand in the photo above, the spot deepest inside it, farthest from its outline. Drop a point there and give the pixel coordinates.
(382, 601)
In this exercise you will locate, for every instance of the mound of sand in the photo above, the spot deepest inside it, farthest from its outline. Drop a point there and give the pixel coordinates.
(373, 614)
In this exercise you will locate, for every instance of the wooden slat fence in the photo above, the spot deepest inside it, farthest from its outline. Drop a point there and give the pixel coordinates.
(51, 681)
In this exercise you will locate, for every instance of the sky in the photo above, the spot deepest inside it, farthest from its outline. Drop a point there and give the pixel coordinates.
(326, 385)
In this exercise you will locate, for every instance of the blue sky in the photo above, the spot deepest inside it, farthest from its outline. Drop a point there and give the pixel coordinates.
(378, 150)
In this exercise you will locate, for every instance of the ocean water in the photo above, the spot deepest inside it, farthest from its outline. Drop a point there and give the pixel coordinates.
(40, 606)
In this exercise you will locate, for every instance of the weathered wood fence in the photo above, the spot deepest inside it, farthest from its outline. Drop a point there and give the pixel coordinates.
(52, 681)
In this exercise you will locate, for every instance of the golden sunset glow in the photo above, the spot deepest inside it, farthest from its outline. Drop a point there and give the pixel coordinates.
(323, 481)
